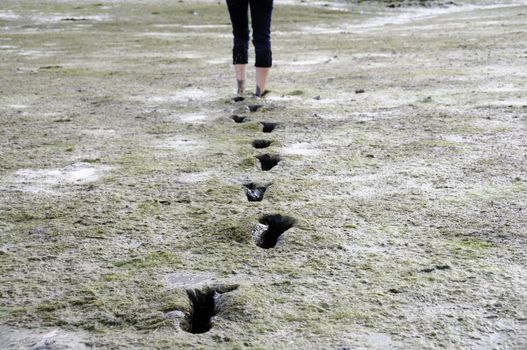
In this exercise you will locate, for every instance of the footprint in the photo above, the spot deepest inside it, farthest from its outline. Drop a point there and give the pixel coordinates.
(239, 118)
(276, 226)
(254, 192)
(261, 143)
(268, 161)
(203, 306)
(268, 126)
(254, 108)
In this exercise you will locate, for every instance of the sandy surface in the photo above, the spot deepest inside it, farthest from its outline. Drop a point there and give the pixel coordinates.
(403, 142)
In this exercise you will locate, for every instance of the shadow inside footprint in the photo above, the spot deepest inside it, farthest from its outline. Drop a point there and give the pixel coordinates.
(276, 226)
(239, 118)
(254, 108)
(261, 143)
(268, 161)
(203, 306)
(202, 309)
(268, 126)
(238, 99)
(254, 192)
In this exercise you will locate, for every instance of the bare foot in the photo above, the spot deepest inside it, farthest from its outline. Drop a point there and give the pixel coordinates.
(260, 93)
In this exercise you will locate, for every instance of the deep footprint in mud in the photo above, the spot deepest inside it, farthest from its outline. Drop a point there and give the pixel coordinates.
(254, 108)
(239, 118)
(258, 144)
(268, 161)
(254, 192)
(268, 126)
(276, 226)
(204, 305)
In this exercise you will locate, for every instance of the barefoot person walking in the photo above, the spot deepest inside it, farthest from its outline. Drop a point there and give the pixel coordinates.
(261, 13)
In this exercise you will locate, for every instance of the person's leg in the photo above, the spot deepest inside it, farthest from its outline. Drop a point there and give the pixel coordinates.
(261, 80)
(240, 70)
(261, 13)
(238, 11)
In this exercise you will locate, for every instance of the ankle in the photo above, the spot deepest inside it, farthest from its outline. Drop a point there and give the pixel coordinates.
(241, 86)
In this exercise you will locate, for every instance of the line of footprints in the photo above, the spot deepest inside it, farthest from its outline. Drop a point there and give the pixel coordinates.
(205, 303)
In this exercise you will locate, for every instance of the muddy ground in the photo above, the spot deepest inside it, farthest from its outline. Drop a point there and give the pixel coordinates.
(403, 139)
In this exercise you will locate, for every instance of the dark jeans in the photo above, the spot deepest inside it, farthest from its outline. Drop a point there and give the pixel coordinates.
(261, 12)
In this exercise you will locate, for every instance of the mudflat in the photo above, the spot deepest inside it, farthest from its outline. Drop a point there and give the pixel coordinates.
(395, 197)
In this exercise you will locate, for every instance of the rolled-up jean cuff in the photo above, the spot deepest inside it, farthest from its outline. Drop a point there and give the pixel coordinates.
(240, 55)
(264, 58)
